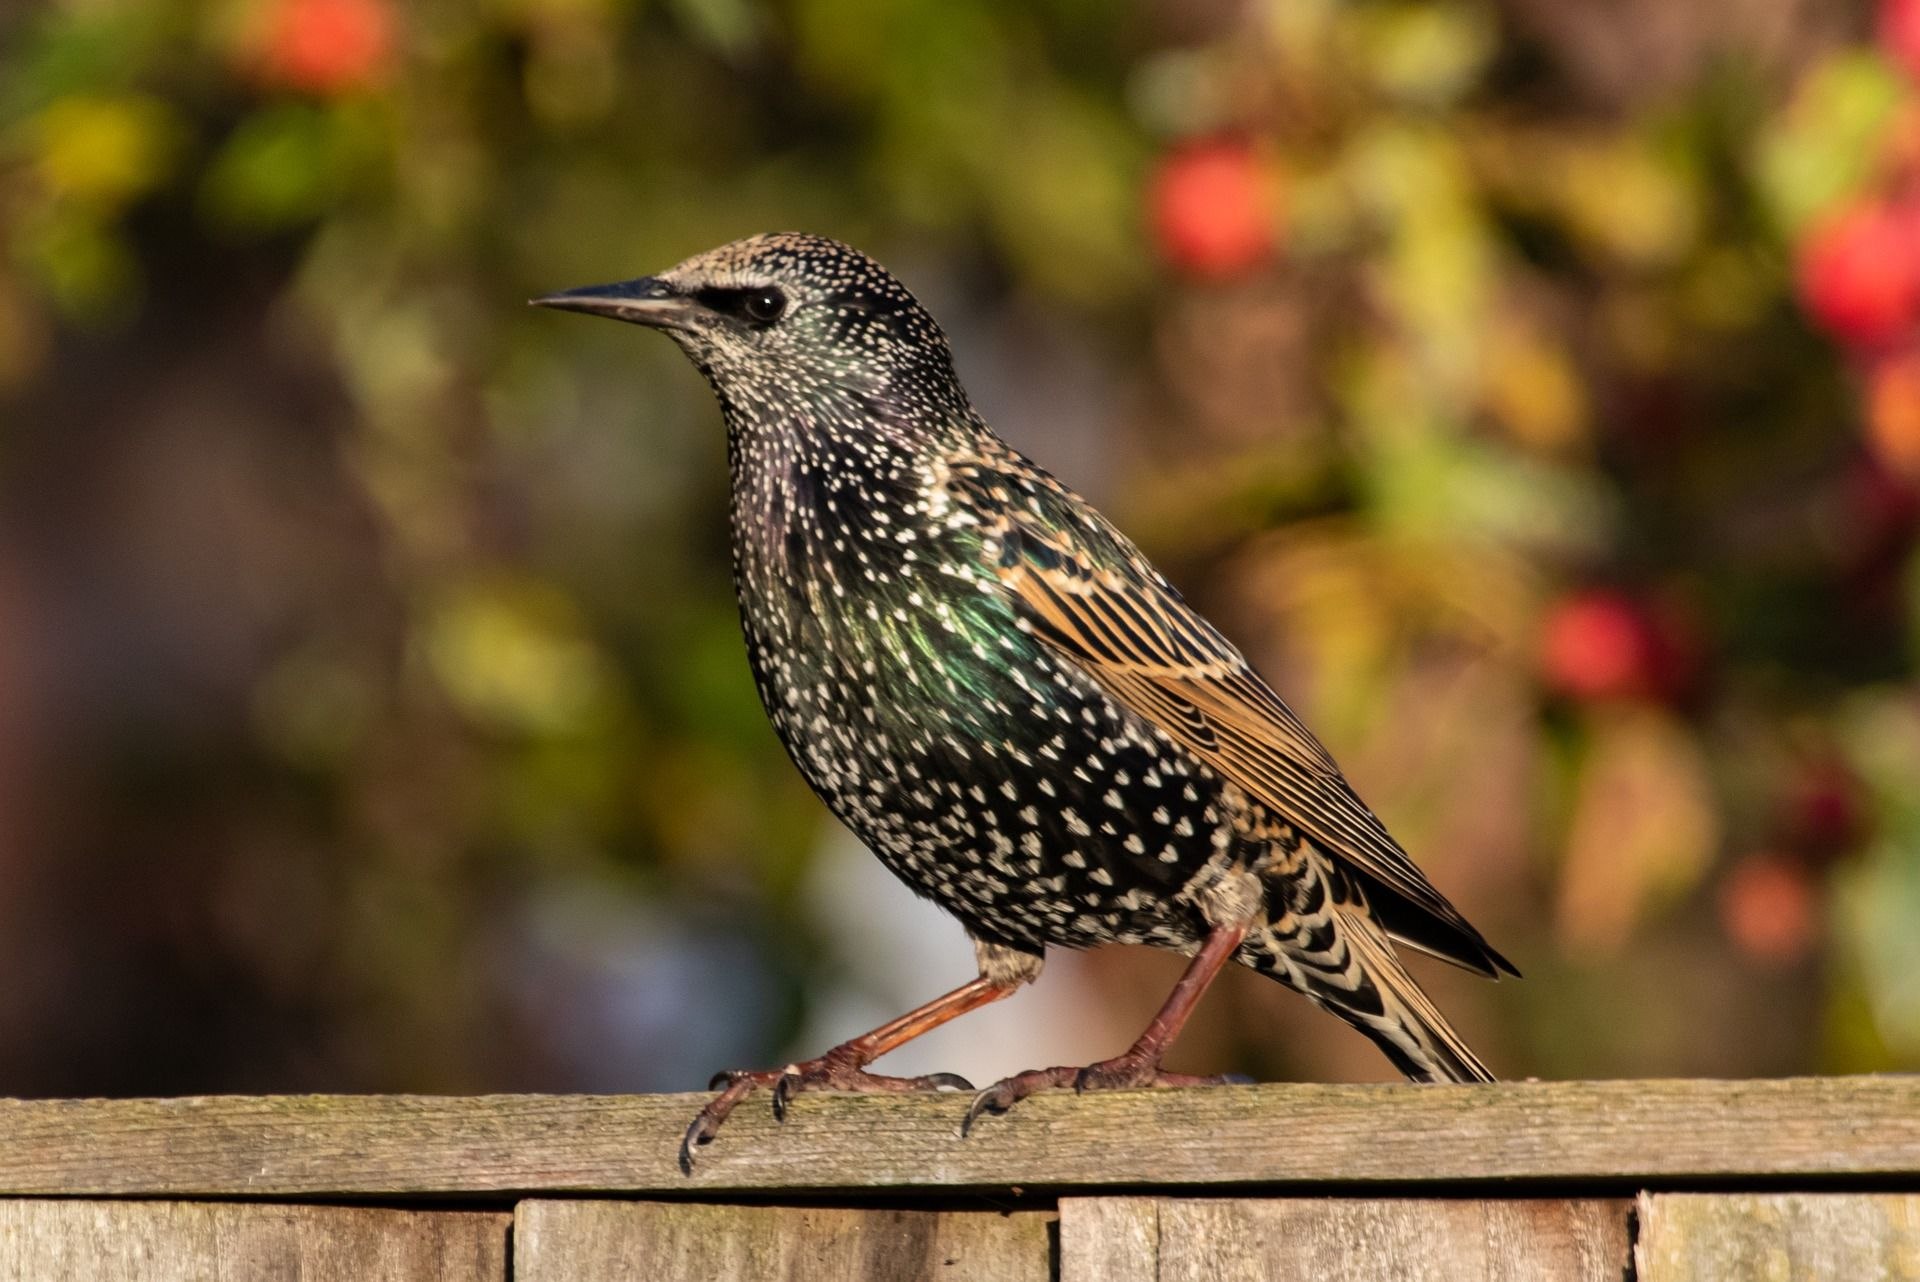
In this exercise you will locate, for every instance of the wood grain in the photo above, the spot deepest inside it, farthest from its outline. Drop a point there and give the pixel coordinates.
(1342, 1240)
(1781, 1237)
(1110, 1239)
(1610, 1136)
(605, 1241)
(49, 1241)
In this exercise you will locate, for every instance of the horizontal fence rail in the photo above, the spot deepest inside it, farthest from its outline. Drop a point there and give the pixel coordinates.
(1619, 1135)
(1661, 1181)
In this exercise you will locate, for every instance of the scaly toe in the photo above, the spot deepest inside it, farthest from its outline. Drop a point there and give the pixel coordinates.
(706, 1123)
(1008, 1091)
(1123, 1074)
(1114, 1075)
(828, 1073)
(856, 1081)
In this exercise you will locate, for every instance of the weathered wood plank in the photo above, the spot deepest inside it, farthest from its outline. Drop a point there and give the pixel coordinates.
(1110, 1239)
(601, 1241)
(1342, 1239)
(42, 1241)
(1782, 1237)
(1610, 1135)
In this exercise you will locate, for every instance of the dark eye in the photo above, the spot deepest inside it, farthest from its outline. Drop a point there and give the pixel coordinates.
(759, 306)
(762, 306)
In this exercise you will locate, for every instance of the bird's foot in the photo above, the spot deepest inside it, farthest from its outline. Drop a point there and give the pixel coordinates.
(833, 1071)
(1127, 1071)
(1008, 1091)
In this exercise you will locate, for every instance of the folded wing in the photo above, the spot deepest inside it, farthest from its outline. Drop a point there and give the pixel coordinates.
(1089, 594)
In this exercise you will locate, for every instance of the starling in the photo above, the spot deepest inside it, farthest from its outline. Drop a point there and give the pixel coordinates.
(1003, 699)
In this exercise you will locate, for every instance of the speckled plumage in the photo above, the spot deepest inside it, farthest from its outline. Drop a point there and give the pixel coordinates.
(995, 690)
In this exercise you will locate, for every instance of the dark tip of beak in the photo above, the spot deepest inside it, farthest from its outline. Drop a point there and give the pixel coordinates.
(646, 301)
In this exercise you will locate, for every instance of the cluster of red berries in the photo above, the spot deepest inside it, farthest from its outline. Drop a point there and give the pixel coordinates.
(1770, 900)
(1604, 645)
(1858, 267)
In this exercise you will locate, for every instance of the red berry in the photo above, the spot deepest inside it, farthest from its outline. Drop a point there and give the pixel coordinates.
(1823, 814)
(1215, 209)
(1769, 907)
(1598, 644)
(327, 46)
(1899, 30)
(1859, 274)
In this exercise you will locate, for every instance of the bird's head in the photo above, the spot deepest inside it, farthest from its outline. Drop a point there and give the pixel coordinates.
(793, 319)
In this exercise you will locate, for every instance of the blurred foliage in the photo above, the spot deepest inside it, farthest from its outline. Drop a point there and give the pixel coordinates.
(1532, 392)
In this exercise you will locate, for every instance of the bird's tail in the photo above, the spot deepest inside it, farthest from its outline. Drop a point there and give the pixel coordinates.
(1357, 977)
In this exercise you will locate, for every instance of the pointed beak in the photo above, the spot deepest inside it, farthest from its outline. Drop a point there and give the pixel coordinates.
(646, 301)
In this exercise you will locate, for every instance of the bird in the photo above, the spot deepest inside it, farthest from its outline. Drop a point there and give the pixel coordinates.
(999, 694)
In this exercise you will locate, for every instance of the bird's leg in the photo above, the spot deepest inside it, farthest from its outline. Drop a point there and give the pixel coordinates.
(1139, 1064)
(844, 1067)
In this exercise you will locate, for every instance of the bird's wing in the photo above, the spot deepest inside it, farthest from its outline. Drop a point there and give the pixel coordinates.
(1087, 592)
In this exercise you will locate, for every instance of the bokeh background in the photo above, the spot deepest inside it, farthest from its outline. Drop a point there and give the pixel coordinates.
(1531, 386)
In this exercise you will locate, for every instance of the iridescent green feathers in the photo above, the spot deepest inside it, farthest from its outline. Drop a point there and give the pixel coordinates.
(1087, 592)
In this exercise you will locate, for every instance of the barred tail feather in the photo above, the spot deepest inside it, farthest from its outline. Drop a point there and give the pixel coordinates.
(1409, 1028)
(1344, 962)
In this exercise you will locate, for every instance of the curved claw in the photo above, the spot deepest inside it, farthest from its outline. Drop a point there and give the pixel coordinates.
(698, 1132)
(1008, 1091)
(985, 1101)
(783, 1090)
(945, 1082)
(706, 1123)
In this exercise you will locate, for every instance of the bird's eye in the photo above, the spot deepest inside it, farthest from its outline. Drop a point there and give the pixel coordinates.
(763, 306)
(759, 306)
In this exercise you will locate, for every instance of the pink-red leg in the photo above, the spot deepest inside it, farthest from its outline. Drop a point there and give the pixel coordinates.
(1139, 1064)
(844, 1067)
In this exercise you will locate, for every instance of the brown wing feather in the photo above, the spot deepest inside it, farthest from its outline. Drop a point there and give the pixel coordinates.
(1133, 634)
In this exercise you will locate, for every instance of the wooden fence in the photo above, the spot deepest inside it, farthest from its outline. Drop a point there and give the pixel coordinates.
(1653, 1181)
